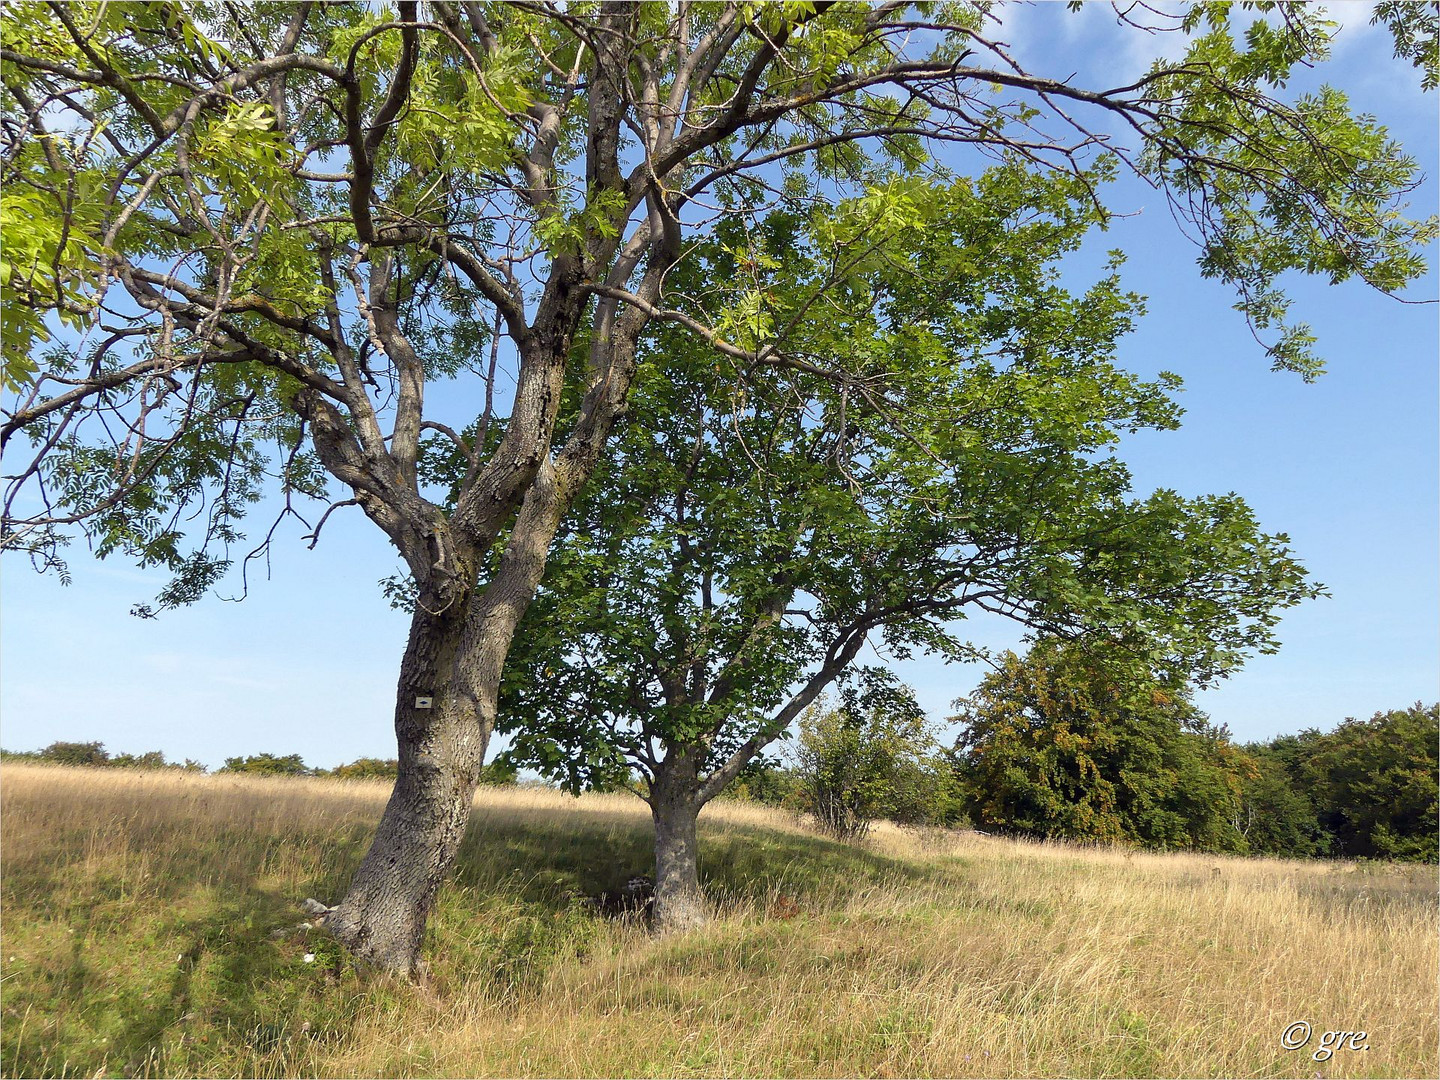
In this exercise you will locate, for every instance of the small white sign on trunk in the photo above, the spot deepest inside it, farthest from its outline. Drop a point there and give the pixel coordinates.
(424, 702)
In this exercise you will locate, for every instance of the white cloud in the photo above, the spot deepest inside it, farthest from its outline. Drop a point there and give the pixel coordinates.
(1094, 39)
(1354, 18)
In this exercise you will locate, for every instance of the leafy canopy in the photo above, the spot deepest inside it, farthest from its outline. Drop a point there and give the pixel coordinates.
(241, 242)
(745, 539)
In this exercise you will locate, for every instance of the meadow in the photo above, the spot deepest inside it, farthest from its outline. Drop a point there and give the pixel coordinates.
(145, 920)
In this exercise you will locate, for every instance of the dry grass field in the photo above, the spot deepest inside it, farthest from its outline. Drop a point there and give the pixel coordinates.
(138, 911)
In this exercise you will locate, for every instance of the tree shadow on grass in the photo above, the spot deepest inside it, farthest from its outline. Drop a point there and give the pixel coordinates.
(520, 902)
(180, 975)
(197, 991)
(553, 858)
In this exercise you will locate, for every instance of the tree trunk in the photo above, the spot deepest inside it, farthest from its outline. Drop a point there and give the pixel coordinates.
(675, 806)
(453, 662)
(381, 920)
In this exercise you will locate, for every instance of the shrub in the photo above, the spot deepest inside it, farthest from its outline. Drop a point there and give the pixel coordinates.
(151, 759)
(870, 757)
(766, 782)
(497, 773)
(501, 772)
(366, 768)
(267, 765)
(75, 753)
(94, 755)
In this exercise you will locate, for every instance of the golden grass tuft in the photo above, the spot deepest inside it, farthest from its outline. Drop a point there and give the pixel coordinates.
(139, 908)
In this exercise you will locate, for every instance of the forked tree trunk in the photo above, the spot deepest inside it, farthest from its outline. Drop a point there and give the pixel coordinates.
(382, 918)
(444, 714)
(675, 806)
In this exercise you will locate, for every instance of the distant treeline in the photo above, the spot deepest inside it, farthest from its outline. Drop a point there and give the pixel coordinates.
(95, 755)
(1368, 789)
(1065, 743)
(1153, 775)
(1049, 753)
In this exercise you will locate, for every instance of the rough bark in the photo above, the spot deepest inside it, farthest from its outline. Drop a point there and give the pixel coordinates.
(455, 658)
(675, 807)
(458, 659)
(381, 920)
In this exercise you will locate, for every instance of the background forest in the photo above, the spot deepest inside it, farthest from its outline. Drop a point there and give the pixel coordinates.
(1046, 752)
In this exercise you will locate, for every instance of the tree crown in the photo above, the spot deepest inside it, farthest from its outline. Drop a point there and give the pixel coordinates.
(241, 243)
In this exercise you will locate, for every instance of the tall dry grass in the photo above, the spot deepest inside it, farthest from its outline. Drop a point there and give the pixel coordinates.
(138, 912)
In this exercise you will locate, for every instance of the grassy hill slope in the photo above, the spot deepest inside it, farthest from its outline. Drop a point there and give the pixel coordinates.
(139, 908)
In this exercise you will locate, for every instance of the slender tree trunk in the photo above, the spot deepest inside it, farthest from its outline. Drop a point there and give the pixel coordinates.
(382, 918)
(675, 806)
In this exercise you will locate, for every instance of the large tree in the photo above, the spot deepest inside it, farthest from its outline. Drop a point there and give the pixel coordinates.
(259, 244)
(743, 542)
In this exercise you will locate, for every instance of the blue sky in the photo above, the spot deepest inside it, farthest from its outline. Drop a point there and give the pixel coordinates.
(1347, 466)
